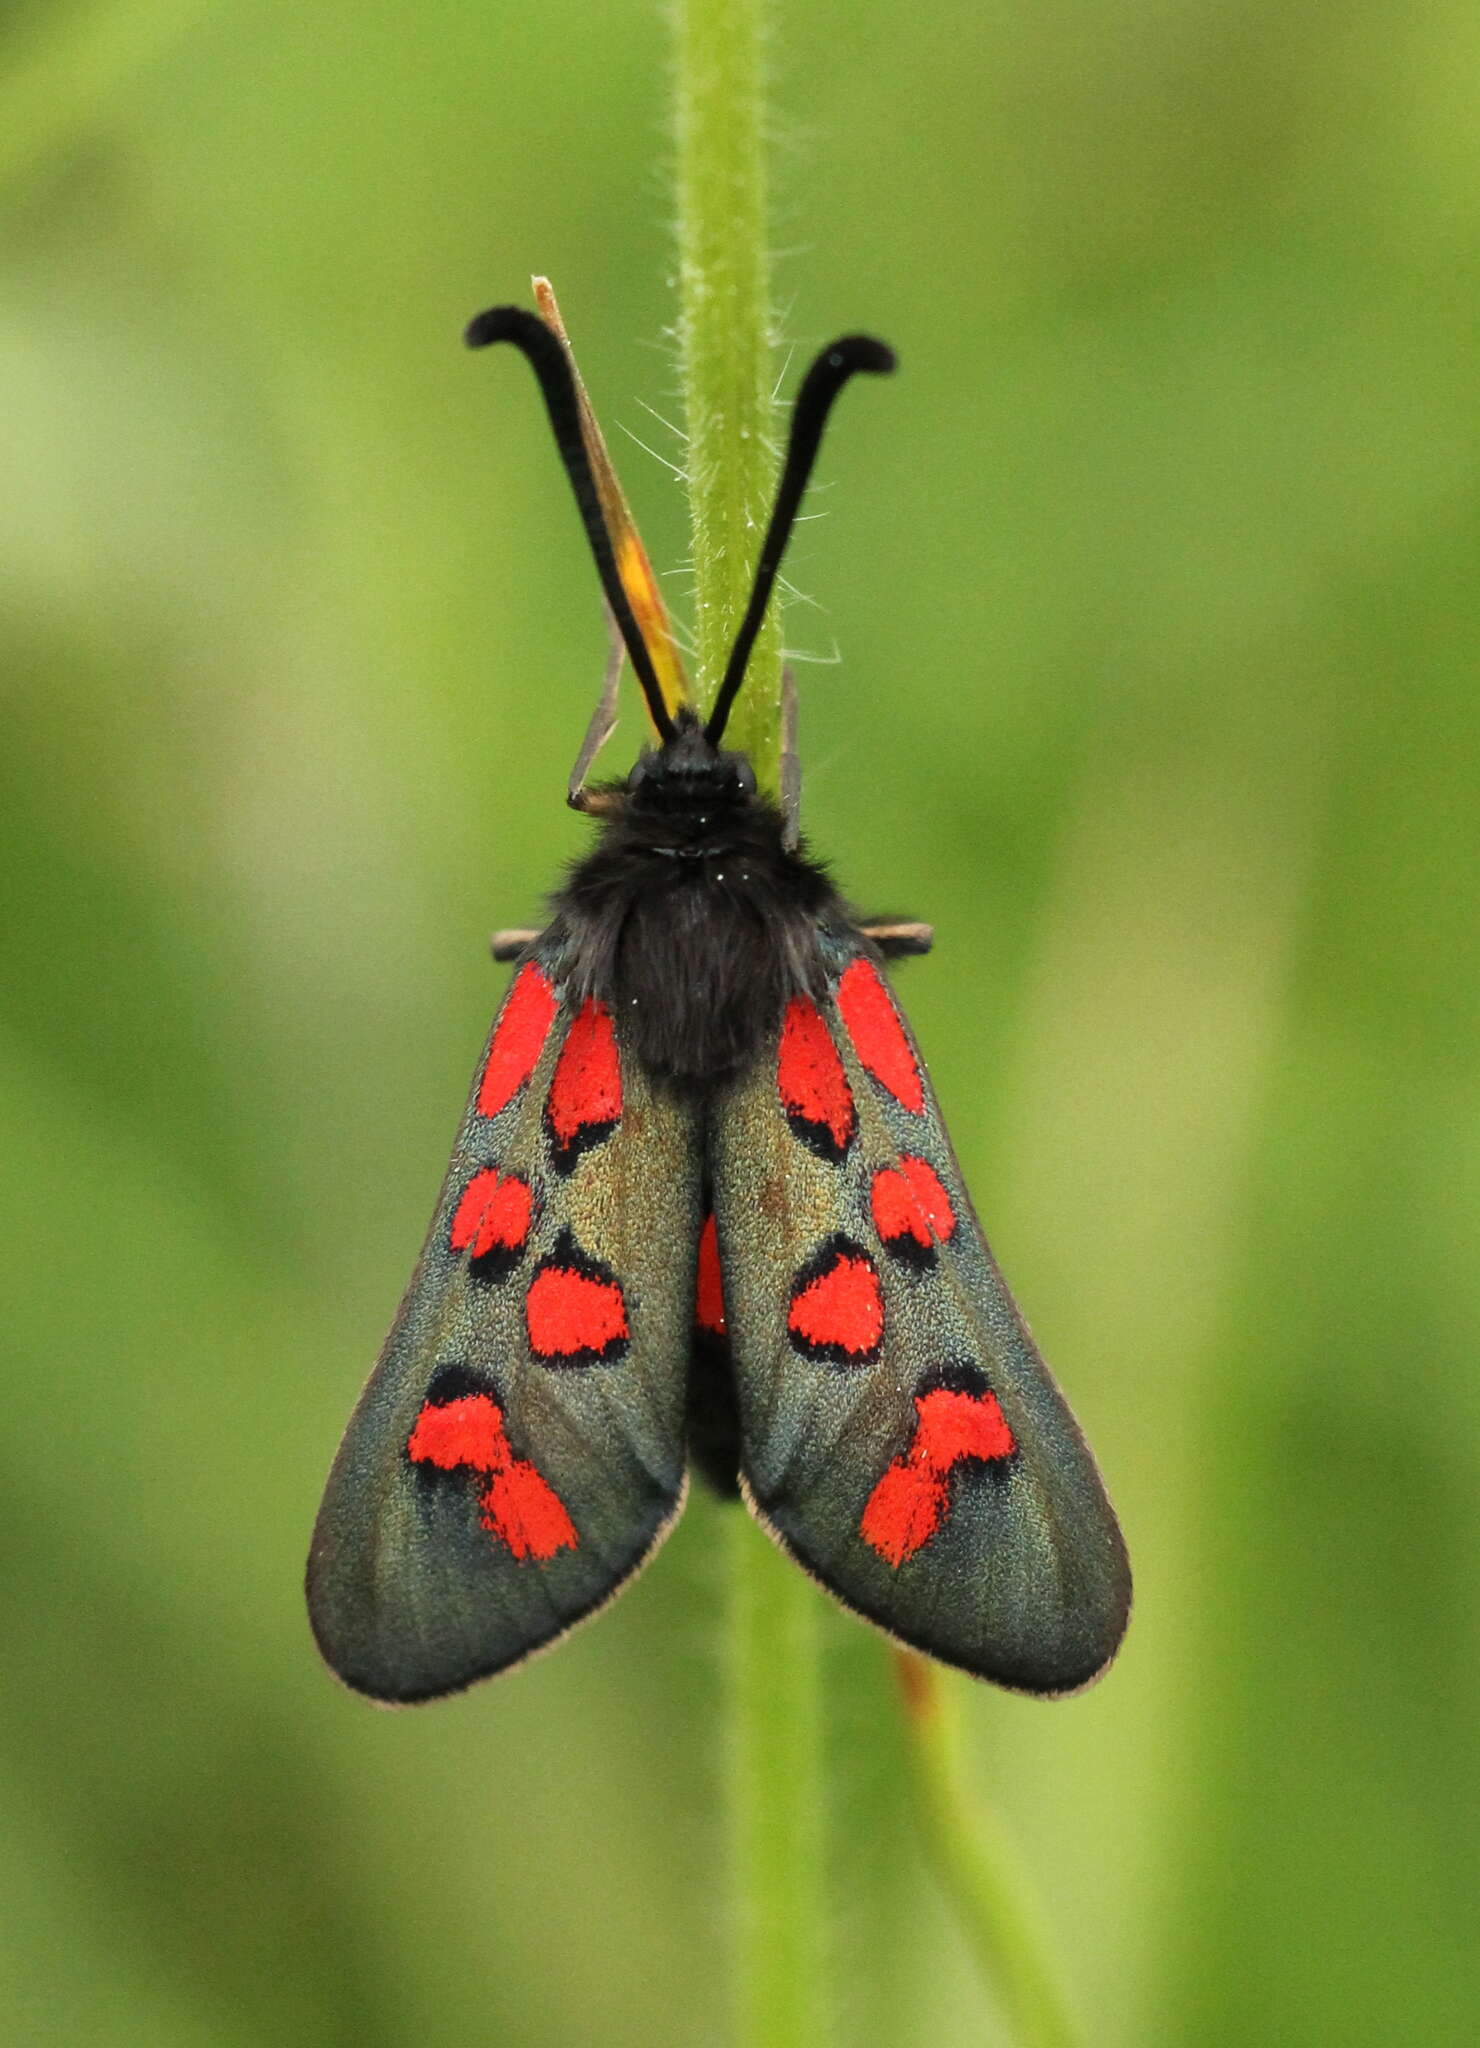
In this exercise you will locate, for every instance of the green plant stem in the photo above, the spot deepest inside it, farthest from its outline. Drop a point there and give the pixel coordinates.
(725, 348)
(777, 1799)
(729, 411)
(976, 1863)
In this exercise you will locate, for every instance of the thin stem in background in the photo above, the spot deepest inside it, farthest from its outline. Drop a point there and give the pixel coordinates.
(978, 1867)
(775, 1775)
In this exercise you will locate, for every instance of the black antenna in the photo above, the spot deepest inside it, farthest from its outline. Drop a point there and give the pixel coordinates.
(547, 358)
(838, 362)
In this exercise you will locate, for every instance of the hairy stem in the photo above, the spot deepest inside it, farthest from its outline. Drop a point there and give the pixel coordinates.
(725, 349)
(730, 414)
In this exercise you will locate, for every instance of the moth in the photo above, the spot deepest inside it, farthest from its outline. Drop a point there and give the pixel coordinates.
(702, 1210)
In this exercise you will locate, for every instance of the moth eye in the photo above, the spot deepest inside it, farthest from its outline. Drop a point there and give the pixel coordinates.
(744, 777)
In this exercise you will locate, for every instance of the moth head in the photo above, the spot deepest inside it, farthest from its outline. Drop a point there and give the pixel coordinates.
(690, 773)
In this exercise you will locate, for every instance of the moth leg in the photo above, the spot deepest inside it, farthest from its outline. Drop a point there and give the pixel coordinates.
(603, 718)
(899, 937)
(791, 763)
(598, 800)
(509, 941)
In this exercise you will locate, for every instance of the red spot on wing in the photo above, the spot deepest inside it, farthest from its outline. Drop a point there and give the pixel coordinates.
(954, 1426)
(518, 1039)
(929, 1191)
(810, 1079)
(913, 1498)
(526, 1514)
(585, 1100)
(904, 1511)
(898, 1217)
(468, 1431)
(911, 1209)
(574, 1310)
(709, 1292)
(837, 1306)
(493, 1215)
(519, 1506)
(568, 1313)
(877, 1034)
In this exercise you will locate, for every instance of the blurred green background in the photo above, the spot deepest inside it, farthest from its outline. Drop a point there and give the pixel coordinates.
(1155, 578)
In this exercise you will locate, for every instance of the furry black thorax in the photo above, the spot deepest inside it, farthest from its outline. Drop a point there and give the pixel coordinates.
(691, 918)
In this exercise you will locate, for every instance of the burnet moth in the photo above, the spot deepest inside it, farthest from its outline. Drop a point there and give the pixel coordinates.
(702, 1209)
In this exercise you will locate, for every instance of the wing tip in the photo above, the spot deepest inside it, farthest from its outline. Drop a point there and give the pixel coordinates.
(373, 1677)
(1046, 1676)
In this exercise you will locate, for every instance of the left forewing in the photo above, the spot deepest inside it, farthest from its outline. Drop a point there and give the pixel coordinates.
(519, 1449)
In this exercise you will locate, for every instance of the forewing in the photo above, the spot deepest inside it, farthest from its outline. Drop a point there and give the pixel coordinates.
(901, 1436)
(519, 1448)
